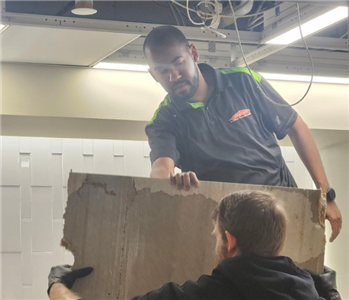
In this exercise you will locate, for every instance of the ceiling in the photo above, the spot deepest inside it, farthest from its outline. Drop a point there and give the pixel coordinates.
(60, 46)
(53, 35)
(46, 32)
(128, 11)
(162, 12)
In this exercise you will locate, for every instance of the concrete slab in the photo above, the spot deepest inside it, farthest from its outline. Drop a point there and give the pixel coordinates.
(139, 233)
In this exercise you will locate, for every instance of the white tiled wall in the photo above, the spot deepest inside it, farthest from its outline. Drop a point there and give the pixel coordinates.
(34, 192)
(33, 196)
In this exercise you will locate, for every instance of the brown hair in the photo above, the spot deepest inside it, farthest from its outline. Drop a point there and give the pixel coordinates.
(255, 219)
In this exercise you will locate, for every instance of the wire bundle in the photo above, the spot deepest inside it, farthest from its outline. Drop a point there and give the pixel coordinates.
(213, 13)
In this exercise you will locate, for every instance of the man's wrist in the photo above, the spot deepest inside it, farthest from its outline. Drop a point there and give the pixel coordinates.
(54, 286)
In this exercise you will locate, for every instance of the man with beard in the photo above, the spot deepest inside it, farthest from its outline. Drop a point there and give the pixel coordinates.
(217, 125)
(249, 267)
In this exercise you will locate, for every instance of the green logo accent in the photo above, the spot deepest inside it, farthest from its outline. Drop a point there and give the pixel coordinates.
(197, 104)
(163, 104)
(242, 70)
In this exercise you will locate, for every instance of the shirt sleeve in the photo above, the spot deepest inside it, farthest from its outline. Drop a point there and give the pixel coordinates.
(162, 141)
(277, 119)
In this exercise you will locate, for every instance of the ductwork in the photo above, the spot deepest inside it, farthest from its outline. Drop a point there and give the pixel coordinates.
(243, 8)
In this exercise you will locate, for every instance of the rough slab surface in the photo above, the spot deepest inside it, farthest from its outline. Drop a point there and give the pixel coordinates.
(139, 233)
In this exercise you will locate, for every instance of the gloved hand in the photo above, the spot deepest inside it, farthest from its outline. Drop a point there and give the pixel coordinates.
(325, 284)
(65, 275)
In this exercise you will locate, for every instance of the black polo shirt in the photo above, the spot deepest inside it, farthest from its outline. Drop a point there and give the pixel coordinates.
(230, 139)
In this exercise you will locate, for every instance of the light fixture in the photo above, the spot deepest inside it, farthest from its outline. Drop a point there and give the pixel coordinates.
(84, 8)
(3, 27)
(304, 78)
(269, 76)
(124, 67)
(327, 19)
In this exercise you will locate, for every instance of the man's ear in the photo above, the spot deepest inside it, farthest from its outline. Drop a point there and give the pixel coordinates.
(152, 75)
(194, 52)
(231, 242)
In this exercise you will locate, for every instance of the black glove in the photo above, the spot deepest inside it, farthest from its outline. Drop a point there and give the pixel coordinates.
(325, 284)
(65, 275)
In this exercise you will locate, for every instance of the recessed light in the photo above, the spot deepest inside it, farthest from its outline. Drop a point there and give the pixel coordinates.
(84, 8)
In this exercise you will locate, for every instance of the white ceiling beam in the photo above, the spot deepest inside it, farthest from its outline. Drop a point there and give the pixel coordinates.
(194, 33)
(327, 43)
(282, 64)
(323, 3)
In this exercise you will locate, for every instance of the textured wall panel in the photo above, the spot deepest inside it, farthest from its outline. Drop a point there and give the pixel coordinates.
(24, 145)
(57, 186)
(68, 258)
(146, 149)
(40, 162)
(26, 205)
(119, 148)
(27, 292)
(146, 167)
(10, 160)
(129, 219)
(88, 164)
(133, 159)
(56, 146)
(87, 147)
(119, 165)
(103, 157)
(42, 219)
(65, 197)
(10, 219)
(58, 250)
(11, 276)
(42, 263)
(27, 266)
(72, 157)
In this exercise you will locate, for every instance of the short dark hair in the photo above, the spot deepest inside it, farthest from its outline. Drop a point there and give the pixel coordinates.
(164, 36)
(255, 219)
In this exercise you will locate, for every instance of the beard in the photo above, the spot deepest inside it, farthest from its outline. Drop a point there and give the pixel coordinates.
(187, 94)
(222, 254)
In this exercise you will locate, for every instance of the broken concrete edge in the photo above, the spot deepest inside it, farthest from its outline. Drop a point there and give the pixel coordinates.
(77, 180)
(74, 180)
(66, 245)
(322, 209)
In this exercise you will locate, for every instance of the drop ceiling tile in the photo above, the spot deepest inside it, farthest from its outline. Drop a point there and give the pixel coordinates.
(59, 46)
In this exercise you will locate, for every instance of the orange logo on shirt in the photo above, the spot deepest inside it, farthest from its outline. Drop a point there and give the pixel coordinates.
(240, 114)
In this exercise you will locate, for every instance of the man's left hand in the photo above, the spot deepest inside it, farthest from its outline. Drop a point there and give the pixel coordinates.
(335, 218)
(65, 275)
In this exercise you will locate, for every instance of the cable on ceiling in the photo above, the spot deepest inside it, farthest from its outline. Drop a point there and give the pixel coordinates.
(205, 26)
(249, 69)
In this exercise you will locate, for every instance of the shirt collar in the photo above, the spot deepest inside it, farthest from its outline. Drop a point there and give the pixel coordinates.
(221, 83)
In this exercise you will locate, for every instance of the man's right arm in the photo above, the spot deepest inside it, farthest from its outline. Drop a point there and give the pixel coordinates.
(162, 167)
